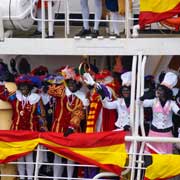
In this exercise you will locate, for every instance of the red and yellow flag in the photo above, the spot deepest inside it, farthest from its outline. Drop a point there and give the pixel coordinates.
(157, 10)
(163, 167)
(105, 150)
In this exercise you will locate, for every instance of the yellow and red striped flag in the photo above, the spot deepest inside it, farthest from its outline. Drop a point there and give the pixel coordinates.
(163, 167)
(105, 150)
(157, 10)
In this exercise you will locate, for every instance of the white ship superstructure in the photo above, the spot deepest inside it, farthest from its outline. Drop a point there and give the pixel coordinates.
(151, 53)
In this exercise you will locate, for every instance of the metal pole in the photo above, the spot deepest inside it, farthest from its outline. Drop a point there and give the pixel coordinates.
(43, 18)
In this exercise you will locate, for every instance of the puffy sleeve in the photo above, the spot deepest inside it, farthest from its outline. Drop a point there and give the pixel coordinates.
(175, 108)
(110, 104)
(148, 102)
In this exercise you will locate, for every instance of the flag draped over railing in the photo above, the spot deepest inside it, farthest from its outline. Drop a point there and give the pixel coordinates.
(105, 150)
(163, 167)
(157, 10)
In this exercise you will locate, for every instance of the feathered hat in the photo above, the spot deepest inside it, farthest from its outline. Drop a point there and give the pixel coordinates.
(68, 73)
(54, 79)
(28, 79)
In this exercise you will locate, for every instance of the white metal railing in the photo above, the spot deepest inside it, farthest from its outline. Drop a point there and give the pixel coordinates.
(128, 17)
(131, 167)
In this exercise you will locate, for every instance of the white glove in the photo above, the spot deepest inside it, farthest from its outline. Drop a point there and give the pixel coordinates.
(88, 79)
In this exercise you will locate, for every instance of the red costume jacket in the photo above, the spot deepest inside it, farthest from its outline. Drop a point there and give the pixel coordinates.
(25, 115)
(68, 112)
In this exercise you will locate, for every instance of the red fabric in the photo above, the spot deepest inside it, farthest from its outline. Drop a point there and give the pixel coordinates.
(24, 118)
(60, 124)
(62, 115)
(109, 118)
(147, 17)
(15, 136)
(80, 140)
(39, 4)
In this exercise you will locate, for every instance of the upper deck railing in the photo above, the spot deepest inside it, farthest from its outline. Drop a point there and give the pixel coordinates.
(12, 22)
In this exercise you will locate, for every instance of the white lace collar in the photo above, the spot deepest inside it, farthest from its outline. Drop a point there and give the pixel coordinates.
(33, 98)
(80, 94)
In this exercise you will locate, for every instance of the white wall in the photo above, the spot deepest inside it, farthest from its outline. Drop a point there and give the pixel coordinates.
(54, 62)
(74, 6)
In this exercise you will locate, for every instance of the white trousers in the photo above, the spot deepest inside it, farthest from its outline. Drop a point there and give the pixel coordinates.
(85, 13)
(58, 169)
(26, 168)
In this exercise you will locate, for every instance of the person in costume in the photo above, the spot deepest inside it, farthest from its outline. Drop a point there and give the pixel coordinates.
(162, 107)
(28, 114)
(68, 113)
(98, 117)
(41, 72)
(86, 31)
(97, 120)
(122, 104)
(117, 12)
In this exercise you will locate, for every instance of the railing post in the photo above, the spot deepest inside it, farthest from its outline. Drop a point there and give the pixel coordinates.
(43, 18)
(127, 12)
(1, 28)
(132, 117)
(37, 164)
(66, 19)
(140, 158)
(50, 19)
(136, 124)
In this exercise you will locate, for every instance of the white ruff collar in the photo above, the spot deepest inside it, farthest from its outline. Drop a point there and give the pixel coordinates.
(80, 94)
(45, 98)
(33, 98)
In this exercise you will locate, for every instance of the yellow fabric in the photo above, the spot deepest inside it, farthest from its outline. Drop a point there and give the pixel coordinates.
(121, 6)
(12, 148)
(101, 154)
(158, 6)
(163, 166)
